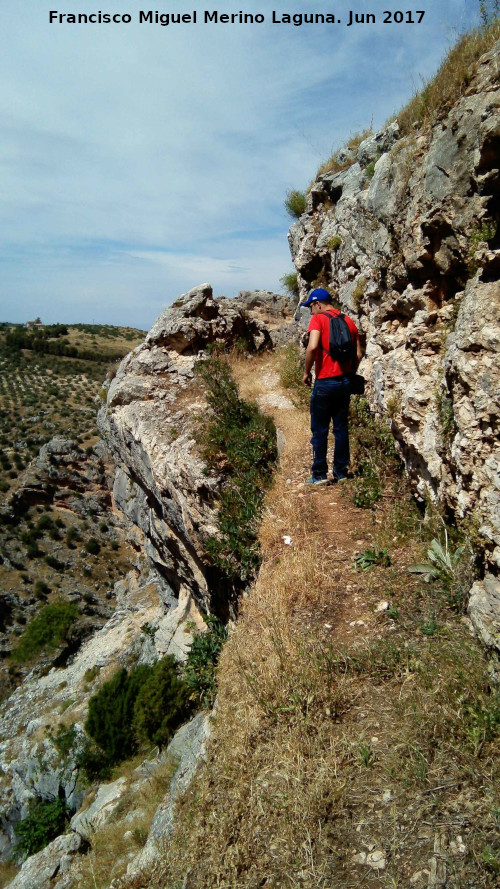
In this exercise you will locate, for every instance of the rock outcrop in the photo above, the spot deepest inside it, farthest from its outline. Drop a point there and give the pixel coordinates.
(31, 767)
(187, 748)
(64, 476)
(407, 235)
(161, 483)
(148, 480)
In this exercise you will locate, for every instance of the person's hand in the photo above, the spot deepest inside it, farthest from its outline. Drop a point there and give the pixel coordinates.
(307, 380)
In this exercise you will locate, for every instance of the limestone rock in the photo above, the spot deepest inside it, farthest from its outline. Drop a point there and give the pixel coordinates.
(266, 305)
(39, 870)
(60, 471)
(484, 610)
(188, 745)
(372, 148)
(197, 319)
(412, 255)
(30, 765)
(101, 809)
(161, 483)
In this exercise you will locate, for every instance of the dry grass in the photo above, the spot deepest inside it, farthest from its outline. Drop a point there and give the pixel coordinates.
(437, 95)
(441, 92)
(113, 845)
(339, 729)
(334, 164)
(113, 339)
(7, 873)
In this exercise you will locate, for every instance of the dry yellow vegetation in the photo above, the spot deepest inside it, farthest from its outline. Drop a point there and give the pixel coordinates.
(355, 737)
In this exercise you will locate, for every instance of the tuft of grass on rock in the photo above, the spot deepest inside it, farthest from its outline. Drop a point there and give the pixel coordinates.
(455, 73)
(295, 203)
(290, 283)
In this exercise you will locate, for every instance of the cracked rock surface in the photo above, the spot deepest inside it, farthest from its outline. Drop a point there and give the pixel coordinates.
(408, 236)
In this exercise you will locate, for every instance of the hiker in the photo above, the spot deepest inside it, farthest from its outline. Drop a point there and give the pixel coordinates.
(332, 388)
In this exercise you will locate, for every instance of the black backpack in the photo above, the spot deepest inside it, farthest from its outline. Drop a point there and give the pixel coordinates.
(340, 346)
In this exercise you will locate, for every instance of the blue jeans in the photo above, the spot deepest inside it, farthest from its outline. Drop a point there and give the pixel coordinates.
(330, 403)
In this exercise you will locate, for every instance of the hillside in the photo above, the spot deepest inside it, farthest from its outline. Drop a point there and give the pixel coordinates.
(243, 682)
(406, 234)
(54, 487)
(356, 731)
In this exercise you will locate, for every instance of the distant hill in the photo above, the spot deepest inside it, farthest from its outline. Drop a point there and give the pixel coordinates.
(91, 342)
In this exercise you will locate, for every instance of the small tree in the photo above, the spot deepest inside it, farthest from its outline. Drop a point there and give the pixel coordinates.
(111, 714)
(46, 631)
(93, 546)
(161, 703)
(47, 819)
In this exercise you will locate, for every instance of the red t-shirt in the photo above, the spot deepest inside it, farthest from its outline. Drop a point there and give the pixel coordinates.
(324, 365)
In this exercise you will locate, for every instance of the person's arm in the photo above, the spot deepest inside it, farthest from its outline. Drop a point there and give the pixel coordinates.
(359, 354)
(314, 338)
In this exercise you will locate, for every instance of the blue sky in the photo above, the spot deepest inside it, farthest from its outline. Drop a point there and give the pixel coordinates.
(138, 160)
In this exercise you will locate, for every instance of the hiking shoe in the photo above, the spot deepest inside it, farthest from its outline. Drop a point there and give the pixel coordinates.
(316, 481)
(340, 478)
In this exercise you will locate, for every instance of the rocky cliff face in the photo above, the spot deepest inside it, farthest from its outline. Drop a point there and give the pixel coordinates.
(161, 484)
(407, 235)
(162, 509)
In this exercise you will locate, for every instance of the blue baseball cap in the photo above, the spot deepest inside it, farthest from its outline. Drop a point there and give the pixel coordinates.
(316, 296)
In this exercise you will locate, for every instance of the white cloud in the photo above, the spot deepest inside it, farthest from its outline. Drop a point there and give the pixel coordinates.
(138, 161)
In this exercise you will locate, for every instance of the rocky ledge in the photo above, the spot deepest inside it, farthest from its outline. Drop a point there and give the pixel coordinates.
(408, 236)
(161, 484)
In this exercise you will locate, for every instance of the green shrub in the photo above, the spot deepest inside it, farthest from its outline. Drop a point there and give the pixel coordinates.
(46, 631)
(93, 546)
(370, 437)
(55, 563)
(33, 551)
(367, 486)
(292, 373)
(111, 714)
(65, 739)
(41, 589)
(161, 703)
(44, 523)
(199, 669)
(146, 704)
(92, 761)
(239, 442)
(72, 536)
(47, 819)
(290, 283)
(373, 453)
(295, 203)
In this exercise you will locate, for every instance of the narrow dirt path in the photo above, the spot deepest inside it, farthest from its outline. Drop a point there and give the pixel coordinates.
(350, 739)
(343, 530)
